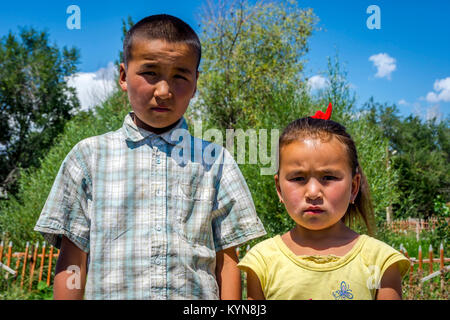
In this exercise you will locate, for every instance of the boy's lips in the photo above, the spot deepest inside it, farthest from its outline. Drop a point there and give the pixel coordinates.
(161, 109)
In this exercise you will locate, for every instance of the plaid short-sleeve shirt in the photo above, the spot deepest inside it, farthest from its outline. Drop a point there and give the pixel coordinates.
(151, 211)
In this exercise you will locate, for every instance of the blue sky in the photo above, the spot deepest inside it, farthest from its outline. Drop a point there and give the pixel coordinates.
(411, 50)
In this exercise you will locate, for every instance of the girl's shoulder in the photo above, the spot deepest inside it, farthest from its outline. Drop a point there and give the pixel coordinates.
(372, 244)
(378, 253)
(266, 246)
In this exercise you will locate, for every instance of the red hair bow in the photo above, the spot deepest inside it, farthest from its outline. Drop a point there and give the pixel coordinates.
(326, 116)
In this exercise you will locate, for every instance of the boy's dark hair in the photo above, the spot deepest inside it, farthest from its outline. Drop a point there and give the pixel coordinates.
(326, 129)
(161, 27)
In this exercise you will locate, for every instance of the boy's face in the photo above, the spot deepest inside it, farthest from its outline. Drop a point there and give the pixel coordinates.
(161, 79)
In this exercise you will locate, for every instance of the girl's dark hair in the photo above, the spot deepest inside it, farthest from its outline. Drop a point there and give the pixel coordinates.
(161, 27)
(326, 129)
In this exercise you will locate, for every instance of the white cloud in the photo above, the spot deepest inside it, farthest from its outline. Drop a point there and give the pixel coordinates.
(441, 91)
(403, 102)
(434, 112)
(318, 82)
(385, 65)
(94, 87)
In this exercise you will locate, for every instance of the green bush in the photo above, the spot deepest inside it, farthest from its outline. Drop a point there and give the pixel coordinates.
(19, 214)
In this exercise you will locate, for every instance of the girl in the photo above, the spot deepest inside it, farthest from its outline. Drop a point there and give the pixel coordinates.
(322, 186)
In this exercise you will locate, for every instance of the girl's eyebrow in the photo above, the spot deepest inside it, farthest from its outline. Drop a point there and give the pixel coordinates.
(324, 171)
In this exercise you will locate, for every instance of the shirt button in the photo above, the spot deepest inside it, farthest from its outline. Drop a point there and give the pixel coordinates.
(158, 160)
(158, 228)
(158, 192)
(158, 261)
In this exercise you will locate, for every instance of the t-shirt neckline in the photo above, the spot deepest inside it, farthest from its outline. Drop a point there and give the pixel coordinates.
(321, 262)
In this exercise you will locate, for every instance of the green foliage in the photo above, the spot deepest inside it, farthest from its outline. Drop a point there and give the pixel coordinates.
(419, 153)
(248, 51)
(35, 100)
(19, 214)
(10, 290)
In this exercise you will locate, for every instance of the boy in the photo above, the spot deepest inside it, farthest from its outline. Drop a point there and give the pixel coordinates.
(153, 226)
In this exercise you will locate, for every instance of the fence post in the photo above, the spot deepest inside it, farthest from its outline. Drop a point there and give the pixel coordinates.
(33, 265)
(1, 251)
(411, 267)
(50, 260)
(25, 259)
(441, 265)
(430, 257)
(420, 259)
(42, 262)
(8, 257)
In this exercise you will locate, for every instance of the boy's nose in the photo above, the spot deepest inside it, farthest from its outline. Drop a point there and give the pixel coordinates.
(162, 90)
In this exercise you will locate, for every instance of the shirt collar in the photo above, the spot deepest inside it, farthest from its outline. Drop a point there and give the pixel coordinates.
(132, 132)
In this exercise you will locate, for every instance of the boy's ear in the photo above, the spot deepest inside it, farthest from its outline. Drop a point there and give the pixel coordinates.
(277, 185)
(123, 77)
(196, 79)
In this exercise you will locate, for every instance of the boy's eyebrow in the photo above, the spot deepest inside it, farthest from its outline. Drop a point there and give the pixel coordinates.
(155, 65)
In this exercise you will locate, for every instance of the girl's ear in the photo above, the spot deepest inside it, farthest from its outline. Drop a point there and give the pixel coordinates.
(356, 183)
(123, 77)
(277, 185)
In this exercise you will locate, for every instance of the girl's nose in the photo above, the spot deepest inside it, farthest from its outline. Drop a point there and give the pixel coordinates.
(313, 190)
(163, 90)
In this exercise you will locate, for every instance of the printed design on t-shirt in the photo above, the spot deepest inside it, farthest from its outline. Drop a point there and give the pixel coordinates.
(344, 293)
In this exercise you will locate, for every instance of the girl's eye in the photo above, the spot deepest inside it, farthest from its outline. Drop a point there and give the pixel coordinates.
(329, 178)
(150, 73)
(298, 179)
(180, 77)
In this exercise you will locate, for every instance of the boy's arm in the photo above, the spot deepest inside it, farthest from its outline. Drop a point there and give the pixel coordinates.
(391, 284)
(228, 274)
(70, 257)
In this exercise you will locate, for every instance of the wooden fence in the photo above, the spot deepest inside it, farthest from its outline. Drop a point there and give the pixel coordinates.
(32, 266)
(431, 261)
(36, 264)
(413, 225)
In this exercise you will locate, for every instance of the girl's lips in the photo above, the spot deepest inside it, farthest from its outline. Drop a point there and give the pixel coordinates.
(314, 211)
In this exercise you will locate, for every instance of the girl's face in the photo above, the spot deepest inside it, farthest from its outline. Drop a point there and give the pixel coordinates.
(315, 182)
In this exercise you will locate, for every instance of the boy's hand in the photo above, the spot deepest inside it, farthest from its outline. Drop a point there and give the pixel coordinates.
(228, 274)
(70, 257)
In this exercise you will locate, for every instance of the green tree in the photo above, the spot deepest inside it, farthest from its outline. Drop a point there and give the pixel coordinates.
(250, 53)
(35, 100)
(420, 154)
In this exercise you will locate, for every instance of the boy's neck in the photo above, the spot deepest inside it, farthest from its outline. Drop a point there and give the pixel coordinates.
(138, 122)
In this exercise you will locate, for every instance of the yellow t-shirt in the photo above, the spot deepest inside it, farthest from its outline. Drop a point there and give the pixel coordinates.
(356, 275)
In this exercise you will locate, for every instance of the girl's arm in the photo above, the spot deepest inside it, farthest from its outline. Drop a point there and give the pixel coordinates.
(228, 275)
(391, 284)
(254, 290)
(70, 257)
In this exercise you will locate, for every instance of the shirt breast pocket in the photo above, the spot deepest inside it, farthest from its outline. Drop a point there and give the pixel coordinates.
(194, 207)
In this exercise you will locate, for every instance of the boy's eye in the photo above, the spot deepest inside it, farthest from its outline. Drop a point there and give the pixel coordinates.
(150, 73)
(180, 77)
(298, 179)
(329, 178)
